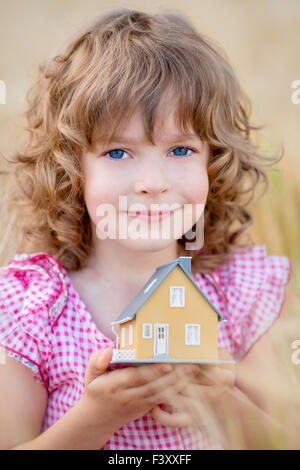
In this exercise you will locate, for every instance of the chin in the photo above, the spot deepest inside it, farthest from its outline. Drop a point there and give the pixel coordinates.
(147, 245)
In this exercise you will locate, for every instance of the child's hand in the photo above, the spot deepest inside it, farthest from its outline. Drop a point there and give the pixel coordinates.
(208, 387)
(113, 398)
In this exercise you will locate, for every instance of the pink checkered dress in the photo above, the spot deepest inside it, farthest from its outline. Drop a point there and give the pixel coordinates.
(45, 325)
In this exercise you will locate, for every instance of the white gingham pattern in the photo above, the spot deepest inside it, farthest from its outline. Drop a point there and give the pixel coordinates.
(45, 325)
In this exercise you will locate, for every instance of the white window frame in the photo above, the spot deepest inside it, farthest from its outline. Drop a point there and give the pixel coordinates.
(122, 337)
(198, 334)
(144, 330)
(130, 335)
(171, 296)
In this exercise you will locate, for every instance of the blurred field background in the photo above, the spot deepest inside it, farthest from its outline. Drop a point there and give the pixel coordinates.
(261, 39)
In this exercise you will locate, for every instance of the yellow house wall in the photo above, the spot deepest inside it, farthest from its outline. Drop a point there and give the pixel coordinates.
(197, 310)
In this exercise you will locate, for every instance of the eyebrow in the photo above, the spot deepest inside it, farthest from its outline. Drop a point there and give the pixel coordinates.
(174, 138)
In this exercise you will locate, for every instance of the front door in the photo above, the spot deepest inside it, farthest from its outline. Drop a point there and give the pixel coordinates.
(161, 339)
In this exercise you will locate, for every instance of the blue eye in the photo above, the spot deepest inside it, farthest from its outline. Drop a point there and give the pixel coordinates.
(180, 151)
(117, 154)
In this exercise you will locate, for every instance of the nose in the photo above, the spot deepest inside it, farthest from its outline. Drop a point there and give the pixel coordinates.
(152, 177)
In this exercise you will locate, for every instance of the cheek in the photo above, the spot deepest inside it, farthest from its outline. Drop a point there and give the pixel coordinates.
(99, 193)
(98, 188)
(195, 189)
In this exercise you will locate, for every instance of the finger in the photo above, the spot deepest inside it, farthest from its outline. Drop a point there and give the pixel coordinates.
(98, 364)
(159, 389)
(218, 376)
(199, 401)
(184, 401)
(206, 393)
(166, 389)
(210, 375)
(214, 371)
(196, 373)
(177, 419)
(132, 377)
(197, 410)
(207, 396)
(186, 412)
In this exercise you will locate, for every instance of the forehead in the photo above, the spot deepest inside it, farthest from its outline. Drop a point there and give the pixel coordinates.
(166, 128)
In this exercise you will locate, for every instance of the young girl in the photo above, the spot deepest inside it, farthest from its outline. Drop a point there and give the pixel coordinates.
(141, 106)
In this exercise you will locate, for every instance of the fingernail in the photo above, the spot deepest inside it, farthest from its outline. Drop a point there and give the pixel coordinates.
(166, 368)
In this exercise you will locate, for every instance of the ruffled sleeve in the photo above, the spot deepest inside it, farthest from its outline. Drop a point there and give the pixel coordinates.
(29, 289)
(254, 288)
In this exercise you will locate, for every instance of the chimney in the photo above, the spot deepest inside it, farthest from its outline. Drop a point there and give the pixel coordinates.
(185, 262)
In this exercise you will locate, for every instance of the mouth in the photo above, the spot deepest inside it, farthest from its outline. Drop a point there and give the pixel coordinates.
(150, 215)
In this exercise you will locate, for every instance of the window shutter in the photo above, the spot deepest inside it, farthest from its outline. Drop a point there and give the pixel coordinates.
(130, 335)
(123, 337)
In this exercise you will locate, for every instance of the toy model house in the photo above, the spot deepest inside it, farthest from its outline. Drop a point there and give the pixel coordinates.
(169, 320)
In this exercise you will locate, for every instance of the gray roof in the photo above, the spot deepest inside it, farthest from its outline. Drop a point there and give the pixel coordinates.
(154, 282)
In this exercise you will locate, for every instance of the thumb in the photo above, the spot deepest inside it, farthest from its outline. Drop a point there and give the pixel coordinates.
(98, 364)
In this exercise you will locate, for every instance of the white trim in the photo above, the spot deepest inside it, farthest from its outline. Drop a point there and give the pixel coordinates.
(151, 284)
(130, 335)
(176, 303)
(121, 321)
(117, 337)
(150, 330)
(197, 342)
(122, 337)
(156, 325)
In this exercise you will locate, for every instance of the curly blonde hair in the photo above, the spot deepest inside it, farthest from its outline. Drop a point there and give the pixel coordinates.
(124, 59)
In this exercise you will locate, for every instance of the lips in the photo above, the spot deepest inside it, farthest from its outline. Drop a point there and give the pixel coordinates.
(150, 215)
